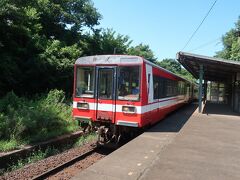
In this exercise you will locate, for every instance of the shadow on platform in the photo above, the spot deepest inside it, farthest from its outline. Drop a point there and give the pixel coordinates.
(220, 109)
(175, 120)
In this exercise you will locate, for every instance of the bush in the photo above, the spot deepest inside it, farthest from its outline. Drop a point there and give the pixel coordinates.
(8, 145)
(27, 121)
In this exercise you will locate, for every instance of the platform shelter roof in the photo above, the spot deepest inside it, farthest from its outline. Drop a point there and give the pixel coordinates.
(214, 69)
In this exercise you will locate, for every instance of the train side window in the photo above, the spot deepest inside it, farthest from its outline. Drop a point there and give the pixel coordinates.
(165, 87)
(162, 88)
(180, 87)
(168, 88)
(156, 88)
(174, 87)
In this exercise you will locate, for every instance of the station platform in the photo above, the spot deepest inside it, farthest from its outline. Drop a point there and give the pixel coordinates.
(185, 145)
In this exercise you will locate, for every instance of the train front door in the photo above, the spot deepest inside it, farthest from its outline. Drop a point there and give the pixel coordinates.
(106, 93)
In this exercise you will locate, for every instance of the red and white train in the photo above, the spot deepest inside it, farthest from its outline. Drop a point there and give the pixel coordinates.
(118, 94)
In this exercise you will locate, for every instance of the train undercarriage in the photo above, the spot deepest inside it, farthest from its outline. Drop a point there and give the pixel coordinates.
(109, 134)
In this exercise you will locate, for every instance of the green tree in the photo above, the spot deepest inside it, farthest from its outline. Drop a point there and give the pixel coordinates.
(231, 44)
(143, 51)
(60, 59)
(171, 65)
(175, 67)
(30, 31)
(113, 43)
(106, 41)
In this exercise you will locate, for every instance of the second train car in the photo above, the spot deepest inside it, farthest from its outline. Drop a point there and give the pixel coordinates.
(117, 94)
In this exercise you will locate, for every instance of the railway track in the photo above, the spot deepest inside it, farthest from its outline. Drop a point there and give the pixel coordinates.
(64, 165)
(9, 158)
(61, 166)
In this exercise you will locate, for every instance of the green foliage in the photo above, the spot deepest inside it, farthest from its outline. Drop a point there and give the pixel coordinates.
(110, 40)
(85, 139)
(29, 121)
(8, 145)
(175, 67)
(143, 51)
(171, 65)
(106, 41)
(59, 71)
(59, 55)
(40, 41)
(231, 44)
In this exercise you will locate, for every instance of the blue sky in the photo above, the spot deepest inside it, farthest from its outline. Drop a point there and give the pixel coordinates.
(166, 25)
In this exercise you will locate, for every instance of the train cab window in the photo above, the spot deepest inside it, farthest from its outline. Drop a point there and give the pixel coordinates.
(128, 83)
(85, 82)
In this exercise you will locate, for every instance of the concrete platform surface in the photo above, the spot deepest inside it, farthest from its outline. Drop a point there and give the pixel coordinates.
(185, 145)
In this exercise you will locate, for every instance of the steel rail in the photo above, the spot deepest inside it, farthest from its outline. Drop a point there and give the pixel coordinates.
(60, 167)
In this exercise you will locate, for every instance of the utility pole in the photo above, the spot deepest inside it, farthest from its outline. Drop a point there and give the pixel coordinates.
(114, 50)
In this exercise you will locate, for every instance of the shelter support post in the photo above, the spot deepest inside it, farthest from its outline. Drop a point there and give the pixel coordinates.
(205, 92)
(200, 89)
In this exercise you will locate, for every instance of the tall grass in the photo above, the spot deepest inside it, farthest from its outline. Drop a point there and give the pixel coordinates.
(28, 121)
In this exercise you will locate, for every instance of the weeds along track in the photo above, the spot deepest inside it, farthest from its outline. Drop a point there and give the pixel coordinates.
(8, 158)
(61, 166)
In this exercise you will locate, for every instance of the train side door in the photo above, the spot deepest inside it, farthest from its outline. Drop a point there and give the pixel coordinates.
(106, 94)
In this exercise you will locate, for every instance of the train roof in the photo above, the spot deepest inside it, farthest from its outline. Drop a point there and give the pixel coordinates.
(109, 59)
(120, 59)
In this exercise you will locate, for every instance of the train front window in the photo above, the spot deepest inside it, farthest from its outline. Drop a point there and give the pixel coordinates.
(85, 82)
(128, 83)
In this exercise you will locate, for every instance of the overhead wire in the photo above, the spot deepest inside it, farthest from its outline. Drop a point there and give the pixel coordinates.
(206, 44)
(193, 34)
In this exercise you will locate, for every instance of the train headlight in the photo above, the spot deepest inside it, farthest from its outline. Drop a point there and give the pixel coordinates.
(82, 105)
(129, 109)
